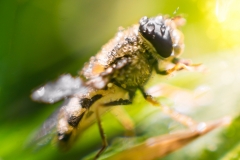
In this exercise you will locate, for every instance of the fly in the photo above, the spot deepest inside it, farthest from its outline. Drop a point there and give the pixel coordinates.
(112, 77)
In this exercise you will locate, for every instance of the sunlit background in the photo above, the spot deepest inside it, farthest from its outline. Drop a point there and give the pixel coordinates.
(41, 39)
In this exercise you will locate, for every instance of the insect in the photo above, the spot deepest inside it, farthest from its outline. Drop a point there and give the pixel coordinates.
(112, 77)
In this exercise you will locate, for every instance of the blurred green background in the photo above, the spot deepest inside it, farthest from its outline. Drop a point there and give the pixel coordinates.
(40, 40)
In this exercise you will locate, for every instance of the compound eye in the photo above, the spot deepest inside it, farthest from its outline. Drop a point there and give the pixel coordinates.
(163, 29)
(155, 31)
(147, 28)
(150, 28)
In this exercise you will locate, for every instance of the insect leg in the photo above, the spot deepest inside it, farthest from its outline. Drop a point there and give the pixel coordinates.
(125, 120)
(179, 65)
(103, 137)
(183, 119)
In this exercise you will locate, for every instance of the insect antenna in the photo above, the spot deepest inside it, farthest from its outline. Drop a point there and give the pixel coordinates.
(175, 12)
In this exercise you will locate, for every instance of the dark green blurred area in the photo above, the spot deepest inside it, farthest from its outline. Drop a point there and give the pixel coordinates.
(40, 40)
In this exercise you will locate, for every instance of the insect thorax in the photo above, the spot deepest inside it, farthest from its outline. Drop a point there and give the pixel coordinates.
(125, 60)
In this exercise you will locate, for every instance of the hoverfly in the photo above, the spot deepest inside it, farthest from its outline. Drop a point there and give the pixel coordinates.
(112, 77)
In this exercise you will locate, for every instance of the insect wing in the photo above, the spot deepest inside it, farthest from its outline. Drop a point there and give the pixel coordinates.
(46, 133)
(52, 92)
(49, 130)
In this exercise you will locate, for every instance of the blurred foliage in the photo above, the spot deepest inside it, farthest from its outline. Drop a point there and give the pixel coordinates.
(40, 40)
